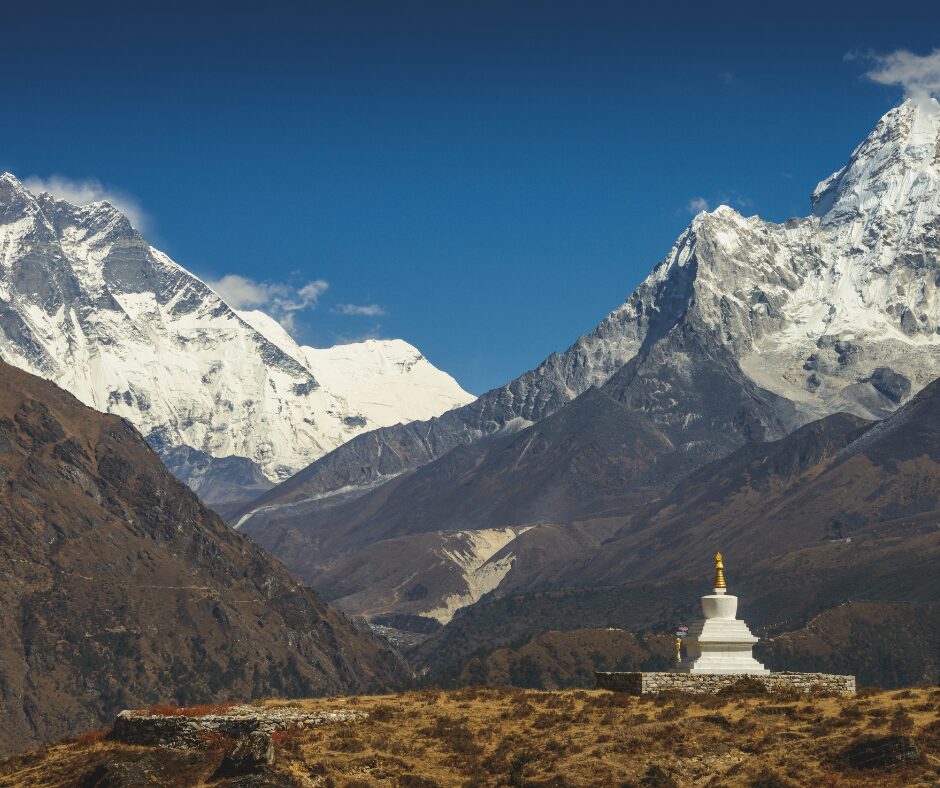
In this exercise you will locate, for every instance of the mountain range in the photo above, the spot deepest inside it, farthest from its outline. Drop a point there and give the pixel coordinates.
(747, 331)
(770, 390)
(86, 302)
(830, 534)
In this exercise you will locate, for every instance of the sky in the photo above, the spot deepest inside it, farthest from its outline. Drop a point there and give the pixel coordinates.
(485, 180)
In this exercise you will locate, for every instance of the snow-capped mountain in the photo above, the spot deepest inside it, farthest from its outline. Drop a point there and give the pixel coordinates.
(835, 311)
(86, 302)
(747, 330)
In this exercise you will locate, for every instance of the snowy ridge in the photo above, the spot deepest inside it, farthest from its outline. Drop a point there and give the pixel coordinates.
(813, 308)
(86, 302)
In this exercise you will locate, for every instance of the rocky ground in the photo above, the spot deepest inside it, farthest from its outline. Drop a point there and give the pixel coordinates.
(526, 738)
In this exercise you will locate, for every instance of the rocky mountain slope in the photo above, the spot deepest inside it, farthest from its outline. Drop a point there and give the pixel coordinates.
(747, 330)
(119, 588)
(832, 533)
(86, 302)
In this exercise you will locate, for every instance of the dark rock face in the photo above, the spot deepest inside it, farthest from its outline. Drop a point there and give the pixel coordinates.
(120, 589)
(216, 480)
(892, 384)
(121, 775)
(252, 754)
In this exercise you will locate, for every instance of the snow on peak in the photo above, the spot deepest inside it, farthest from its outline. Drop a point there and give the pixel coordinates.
(816, 309)
(895, 166)
(86, 302)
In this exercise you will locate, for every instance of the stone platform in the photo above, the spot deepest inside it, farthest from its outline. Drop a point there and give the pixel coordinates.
(237, 722)
(708, 684)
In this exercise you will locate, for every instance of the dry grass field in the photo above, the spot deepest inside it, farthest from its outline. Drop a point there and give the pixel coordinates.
(512, 737)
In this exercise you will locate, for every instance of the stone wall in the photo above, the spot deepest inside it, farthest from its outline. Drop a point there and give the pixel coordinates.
(707, 683)
(178, 730)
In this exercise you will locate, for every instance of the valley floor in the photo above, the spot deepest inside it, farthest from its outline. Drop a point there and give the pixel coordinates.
(515, 737)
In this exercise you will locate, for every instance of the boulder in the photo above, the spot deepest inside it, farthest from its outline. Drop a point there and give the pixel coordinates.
(252, 754)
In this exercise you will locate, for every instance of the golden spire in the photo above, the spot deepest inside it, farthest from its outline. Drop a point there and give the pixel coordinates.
(719, 572)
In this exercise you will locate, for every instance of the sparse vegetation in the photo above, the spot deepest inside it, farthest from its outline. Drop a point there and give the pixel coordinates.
(203, 710)
(514, 737)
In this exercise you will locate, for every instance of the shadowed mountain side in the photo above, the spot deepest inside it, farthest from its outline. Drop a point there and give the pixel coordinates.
(591, 453)
(554, 660)
(846, 639)
(223, 483)
(381, 454)
(839, 510)
(678, 404)
(778, 597)
(119, 589)
(837, 478)
(726, 502)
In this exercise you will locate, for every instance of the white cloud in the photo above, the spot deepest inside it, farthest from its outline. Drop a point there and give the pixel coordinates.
(312, 291)
(375, 332)
(732, 198)
(918, 75)
(240, 292)
(367, 310)
(280, 300)
(89, 190)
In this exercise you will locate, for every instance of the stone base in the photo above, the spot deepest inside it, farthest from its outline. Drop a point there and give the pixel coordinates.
(239, 722)
(710, 683)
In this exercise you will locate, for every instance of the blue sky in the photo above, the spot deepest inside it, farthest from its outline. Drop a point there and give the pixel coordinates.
(486, 180)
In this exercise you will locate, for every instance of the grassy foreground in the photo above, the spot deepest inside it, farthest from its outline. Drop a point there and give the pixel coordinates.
(517, 737)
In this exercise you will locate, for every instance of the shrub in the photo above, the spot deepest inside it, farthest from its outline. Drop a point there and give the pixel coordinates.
(288, 739)
(517, 767)
(216, 741)
(346, 741)
(91, 737)
(416, 781)
(168, 710)
(671, 713)
(770, 779)
(744, 687)
(384, 713)
(657, 777)
(930, 736)
(901, 722)
(851, 713)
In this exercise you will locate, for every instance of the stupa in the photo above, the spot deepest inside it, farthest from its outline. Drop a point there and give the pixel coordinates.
(718, 656)
(720, 642)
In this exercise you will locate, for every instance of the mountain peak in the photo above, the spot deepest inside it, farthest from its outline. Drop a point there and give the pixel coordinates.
(86, 302)
(11, 190)
(896, 168)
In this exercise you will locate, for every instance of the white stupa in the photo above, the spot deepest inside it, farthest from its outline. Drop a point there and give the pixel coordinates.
(720, 643)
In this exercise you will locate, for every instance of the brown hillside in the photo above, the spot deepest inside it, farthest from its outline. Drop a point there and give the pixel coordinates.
(506, 737)
(118, 588)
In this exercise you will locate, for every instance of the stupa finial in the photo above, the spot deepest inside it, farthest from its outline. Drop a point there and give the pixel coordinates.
(719, 572)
